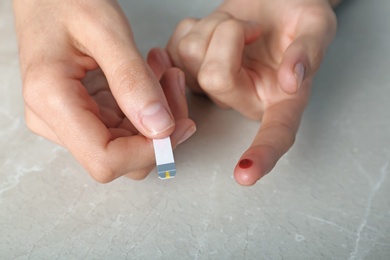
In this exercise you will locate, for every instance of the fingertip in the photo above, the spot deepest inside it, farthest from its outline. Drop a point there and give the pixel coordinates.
(291, 76)
(173, 76)
(247, 172)
(287, 80)
(141, 174)
(252, 32)
(159, 61)
(173, 84)
(187, 134)
(161, 55)
(182, 82)
(157, 121)
(185, 128)
(295, 66)
(255, 163)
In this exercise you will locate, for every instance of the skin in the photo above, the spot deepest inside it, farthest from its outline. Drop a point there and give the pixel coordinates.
(87, 88)
(259, 58)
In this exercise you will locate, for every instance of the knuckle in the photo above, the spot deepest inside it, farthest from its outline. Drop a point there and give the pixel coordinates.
(191, 48)
(185, 25)
(230, 26)
(33, 82)
(100, 171)
(223, 15)
(321, 14)
(98, 22)
(37, 80)
(325, 22)
(214, 80)
(129, 77)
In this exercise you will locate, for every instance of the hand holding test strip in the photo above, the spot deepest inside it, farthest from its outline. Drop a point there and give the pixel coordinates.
(106, 106)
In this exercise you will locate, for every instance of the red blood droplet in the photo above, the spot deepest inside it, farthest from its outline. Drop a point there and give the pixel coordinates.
(245, 163)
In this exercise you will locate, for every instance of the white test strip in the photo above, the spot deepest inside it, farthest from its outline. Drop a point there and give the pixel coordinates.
(166, 167)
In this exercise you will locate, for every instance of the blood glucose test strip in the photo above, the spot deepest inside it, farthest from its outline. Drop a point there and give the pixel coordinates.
(166, 167)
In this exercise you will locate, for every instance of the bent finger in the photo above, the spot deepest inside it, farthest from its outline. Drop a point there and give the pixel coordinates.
(39, 127)
(193, 46)
(174, 89)
(159, 61)
(222, 76)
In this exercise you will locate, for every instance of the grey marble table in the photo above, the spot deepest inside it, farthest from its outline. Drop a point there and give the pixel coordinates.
(327, 198)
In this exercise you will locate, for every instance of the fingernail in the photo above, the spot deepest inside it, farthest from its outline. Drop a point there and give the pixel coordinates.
(187, 134)
(245, 163)
(156, 118)
(164, 58)
(299, 71)
(253, 23)
(182, 82)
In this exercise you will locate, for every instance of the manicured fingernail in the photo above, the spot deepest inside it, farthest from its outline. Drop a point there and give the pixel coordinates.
(245, 164)
(164, 58)
(182, 83)
(156, 118)
(299, 71)
(253, 23)
(187, 134)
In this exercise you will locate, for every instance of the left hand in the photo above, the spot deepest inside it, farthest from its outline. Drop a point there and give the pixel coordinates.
(263, 68)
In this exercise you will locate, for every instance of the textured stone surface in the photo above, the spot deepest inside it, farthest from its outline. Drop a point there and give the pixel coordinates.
(328, 198)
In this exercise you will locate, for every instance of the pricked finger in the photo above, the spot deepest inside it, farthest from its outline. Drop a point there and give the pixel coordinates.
(275, 137)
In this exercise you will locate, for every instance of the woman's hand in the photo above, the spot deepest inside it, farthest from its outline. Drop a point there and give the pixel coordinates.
(259, 58)
(65, 47)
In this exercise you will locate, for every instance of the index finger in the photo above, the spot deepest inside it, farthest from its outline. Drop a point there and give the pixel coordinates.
(133, 84)
(274, 138)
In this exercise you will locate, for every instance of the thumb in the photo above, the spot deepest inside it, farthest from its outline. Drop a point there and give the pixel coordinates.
(301, 59)
(138, 93)
(132, 82)
(303, 56)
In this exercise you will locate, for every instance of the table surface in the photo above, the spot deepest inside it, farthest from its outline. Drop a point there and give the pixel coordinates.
(328, 197)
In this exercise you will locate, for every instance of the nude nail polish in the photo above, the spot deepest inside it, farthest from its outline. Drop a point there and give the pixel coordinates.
(300, 72)
(156, 118)
(191, 131)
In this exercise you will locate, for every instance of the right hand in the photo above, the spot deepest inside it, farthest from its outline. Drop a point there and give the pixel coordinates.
(106, 124)
(258, 58)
